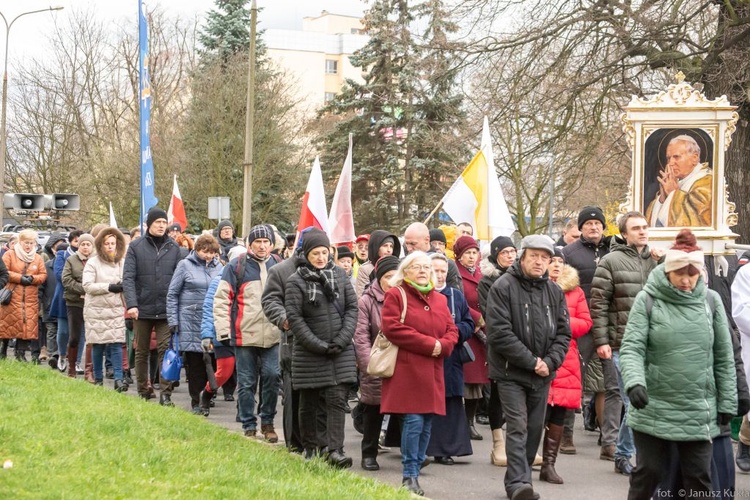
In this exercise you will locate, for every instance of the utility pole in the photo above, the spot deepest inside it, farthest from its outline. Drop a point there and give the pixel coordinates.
(247, 196)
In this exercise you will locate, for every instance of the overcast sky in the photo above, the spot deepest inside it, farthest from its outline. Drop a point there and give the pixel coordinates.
(28, 34)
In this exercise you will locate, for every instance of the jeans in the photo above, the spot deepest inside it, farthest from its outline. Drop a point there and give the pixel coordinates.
(625, 446)
(610, 421)
(250, 361)
(415, 436)
(115, 354)
(524, 410)
(62, 336)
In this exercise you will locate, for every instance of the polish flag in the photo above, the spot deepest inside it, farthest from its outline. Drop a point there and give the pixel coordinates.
(314, 212)
(176, 211)
(341, 218)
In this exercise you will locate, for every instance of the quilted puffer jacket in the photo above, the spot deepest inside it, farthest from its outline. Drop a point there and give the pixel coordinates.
(619, 277)
(104, 311)
(20, 318)
(681, 353)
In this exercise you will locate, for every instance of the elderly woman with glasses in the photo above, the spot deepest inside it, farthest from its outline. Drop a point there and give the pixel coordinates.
(426, 335)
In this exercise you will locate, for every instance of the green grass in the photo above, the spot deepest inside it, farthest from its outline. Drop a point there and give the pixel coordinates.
(69, 439)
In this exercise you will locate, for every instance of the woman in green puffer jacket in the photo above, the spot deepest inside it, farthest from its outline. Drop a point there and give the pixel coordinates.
(678, 370)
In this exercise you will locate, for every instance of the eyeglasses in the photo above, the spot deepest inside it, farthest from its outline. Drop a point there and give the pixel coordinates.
(416, 267)
(508, 252)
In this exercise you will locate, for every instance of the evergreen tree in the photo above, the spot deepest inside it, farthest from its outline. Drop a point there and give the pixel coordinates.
(400, 120)
(226, 32)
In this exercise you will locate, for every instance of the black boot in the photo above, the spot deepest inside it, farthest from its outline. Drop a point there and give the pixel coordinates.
(4, 348)
(412, 484)
(470, 406)
(205, 402)
(121, 386)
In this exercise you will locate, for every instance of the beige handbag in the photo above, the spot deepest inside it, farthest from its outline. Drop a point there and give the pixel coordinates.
(384, 352)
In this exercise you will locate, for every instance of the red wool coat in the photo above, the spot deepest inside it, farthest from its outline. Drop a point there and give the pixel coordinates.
(477, 371)
(565, 390)
(417, 385)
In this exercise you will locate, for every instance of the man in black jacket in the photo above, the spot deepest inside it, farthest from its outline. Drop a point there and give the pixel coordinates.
(528, 334)
(149, 266)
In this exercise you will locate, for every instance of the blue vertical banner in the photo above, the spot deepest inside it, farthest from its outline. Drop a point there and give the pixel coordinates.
(148, 198)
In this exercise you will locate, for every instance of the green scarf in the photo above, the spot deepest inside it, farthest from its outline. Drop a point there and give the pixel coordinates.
(425, 289)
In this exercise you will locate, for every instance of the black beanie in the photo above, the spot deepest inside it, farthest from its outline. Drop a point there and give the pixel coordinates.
(344, 251)
(385, 264)
(591, 213)
(498, 244)
(154, 214)
(559, 253)
(314, 238)
(437, 235)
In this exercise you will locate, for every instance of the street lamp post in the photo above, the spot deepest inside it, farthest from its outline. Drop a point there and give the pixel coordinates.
(3, 132)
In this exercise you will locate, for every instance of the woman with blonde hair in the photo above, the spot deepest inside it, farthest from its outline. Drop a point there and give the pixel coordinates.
(424, 338)
(19, 319)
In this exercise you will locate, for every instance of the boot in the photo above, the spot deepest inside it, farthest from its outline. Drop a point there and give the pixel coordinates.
(205, 402)
(498, 456)
(470, 406)
(4, 348)
(552, 438)
(72, 355)
(88, 368)
(567, 447)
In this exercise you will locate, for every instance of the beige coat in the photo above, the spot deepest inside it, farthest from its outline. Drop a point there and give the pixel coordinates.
(104, 311)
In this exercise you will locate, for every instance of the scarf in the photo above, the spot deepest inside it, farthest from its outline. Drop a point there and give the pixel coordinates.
(326, 278)
(84, 259)
(425, 289)
(25, 257)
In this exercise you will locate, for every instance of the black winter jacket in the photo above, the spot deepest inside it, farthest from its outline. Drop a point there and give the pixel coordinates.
(584, 256)
(526, 319)
(147, 274)
(314, 326)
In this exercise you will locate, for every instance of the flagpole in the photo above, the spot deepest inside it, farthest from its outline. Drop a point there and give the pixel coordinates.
(439, 205)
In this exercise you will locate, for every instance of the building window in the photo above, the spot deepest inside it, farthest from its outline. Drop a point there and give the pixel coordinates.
(332, 67)
(355, 31)
(329, 96)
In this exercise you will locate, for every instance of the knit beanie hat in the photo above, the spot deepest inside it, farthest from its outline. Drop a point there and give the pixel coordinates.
(499, 244)
(385, 264)
(154, 214)
(344, 251)
(85, 237)
(589, 213)
(221, 225)
(437, 235)
(464, 243)
(538, 242)
(314, 238)
(559, 253)
(261, 231)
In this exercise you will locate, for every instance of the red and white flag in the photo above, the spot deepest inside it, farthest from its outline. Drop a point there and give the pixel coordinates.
(314, 202)
(176, 211)
(341, 218)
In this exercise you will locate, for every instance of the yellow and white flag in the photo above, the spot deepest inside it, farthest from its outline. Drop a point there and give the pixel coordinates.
(477, 198)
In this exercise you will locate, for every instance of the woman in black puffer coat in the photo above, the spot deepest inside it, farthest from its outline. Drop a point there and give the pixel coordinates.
(321, 307)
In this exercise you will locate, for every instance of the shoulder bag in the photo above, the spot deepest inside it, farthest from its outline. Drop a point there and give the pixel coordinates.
(7, 293)
(384, 352)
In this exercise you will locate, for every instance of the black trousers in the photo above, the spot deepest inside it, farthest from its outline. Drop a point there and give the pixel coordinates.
(372, 421)
(524, 410)
(495, 409)
(652, 453)
(75, 326)
(309, 402)
(195, 371)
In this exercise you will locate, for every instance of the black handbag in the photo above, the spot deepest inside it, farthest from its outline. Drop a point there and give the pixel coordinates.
(5, 296)
(466, 353)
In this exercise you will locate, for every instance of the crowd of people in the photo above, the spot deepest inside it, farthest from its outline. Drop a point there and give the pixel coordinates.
(644, 342)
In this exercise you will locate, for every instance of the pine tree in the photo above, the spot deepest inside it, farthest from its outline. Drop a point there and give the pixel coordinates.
(226, 31)
(402, 118)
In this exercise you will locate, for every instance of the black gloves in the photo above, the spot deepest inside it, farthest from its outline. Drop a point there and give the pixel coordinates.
(638, 397)
(129, 324)
(26, 280)
(725, 418)
(743, 406)
(115, 287)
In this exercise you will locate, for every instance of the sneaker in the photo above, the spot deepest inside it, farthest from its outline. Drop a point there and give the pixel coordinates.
(79, 370)
(269, 434)
(165, 400)
(62, 364)
(98, 382)
(623, 466)
(110, 373)
(743, 457)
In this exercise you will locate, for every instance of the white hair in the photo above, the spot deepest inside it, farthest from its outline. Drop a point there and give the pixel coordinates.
(689, 141)
(398, 278)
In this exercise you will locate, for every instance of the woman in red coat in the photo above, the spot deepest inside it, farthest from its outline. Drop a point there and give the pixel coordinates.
(565, 391)
(476, 373)
(426, 336)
